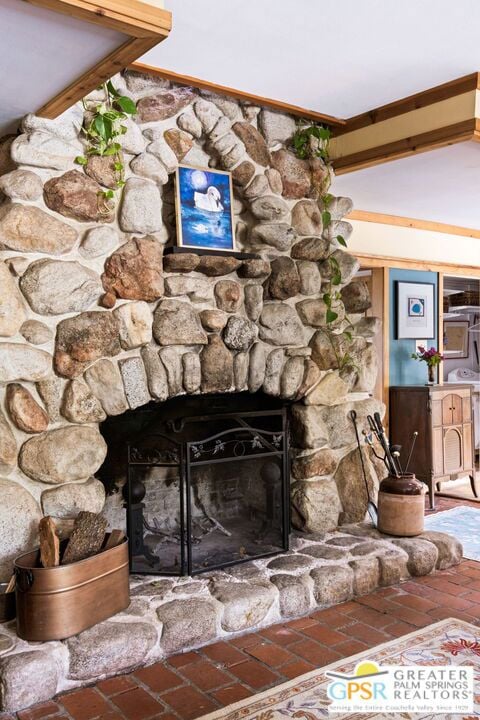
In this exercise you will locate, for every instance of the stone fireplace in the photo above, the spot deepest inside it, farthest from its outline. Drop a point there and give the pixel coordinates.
(205, 481)
(99, 318)
(202, 390)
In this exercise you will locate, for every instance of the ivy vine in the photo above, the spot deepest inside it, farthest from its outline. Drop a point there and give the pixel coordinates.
(312, 141)
(102, 131)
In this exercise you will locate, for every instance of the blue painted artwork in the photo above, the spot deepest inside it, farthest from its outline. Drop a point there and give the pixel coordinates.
(205, 212)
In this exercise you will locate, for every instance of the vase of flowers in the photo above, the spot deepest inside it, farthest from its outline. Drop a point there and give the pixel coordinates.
(432, 357)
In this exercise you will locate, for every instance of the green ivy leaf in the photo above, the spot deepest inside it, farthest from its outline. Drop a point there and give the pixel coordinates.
(126, 104)
(324, 133)
(81, 160)
(331, 316)
(327, 299)
(112, 90)
(341, 240)
(118, 166)
(326, 218)
(99, 124)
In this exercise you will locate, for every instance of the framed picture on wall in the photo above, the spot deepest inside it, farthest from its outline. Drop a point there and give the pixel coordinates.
(204, 209)
(415, 310)
(455, 338)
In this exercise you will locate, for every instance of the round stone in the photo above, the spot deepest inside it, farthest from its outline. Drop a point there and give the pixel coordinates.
(56, 287)
(19, 518)
(291, 563)
(239, 334)
(36, 332)
(25, 412)
(323, 552)
(66, 454)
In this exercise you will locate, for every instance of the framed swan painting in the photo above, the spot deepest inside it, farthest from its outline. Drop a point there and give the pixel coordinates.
(204, 209)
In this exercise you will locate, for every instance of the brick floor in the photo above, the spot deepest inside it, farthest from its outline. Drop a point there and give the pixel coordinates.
(195, 683)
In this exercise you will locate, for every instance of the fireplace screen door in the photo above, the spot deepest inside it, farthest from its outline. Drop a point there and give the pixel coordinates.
(208, 490)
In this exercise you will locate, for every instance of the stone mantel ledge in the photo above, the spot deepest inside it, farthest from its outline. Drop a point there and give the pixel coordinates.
(172, 615)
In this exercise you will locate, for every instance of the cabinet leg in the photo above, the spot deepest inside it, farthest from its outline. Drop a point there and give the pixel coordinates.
(431, 494)
(473, 486)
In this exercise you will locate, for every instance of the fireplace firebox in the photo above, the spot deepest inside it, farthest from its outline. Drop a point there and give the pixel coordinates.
(207, 481)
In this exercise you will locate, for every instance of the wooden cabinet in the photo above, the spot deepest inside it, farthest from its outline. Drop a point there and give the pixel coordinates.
(442, 415)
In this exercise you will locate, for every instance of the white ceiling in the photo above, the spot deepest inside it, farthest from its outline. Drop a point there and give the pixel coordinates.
(339, 57)
(41, 53)
(441, 185)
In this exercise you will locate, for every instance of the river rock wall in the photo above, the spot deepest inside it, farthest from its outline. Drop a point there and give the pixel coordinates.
(95, 318)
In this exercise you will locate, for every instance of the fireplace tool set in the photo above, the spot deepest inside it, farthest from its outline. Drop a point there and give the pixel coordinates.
(400, 499)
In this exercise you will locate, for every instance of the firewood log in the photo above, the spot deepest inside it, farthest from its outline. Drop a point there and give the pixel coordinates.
(87, 537)
(115, 538)
(49, 542)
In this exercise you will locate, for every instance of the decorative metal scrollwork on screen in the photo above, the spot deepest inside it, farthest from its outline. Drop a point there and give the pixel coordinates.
(256, 443)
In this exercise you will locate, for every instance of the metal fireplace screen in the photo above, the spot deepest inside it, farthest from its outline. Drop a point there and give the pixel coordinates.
(207, 487)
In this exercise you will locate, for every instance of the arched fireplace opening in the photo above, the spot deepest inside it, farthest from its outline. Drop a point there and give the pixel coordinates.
(205, 481)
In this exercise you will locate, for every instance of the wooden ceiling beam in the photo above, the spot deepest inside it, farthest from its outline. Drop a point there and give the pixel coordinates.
(400, 221)
(284, 107)
(435, 118)
(417, 101)
(143, 26)
(414, 145)
(131, 17)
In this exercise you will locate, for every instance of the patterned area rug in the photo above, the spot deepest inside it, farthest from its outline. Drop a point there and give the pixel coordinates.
(449, 642)
(464, 523)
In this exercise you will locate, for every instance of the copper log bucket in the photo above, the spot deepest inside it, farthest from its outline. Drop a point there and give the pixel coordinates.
(58, 602)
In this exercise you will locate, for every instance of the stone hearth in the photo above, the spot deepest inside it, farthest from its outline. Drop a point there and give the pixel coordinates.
(167, 616)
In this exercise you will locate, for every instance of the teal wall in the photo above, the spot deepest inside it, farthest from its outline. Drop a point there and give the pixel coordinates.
(404, 370)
